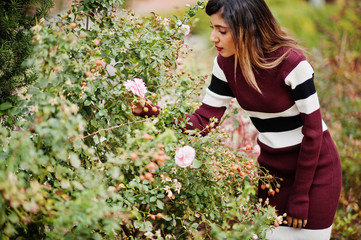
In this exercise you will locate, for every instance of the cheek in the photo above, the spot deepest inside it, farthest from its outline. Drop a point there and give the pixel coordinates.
(231, 46)
(230, 42)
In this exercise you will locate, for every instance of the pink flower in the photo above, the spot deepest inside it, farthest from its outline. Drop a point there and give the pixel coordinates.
(257, 150)
(137, 87)
(96, 41)
(184, 156)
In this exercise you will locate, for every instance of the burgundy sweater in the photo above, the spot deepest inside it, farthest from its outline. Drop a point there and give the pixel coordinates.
(294, 140)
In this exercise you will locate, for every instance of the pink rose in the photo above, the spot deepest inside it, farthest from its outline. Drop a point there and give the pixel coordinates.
(137, 87)
(184, 156)
(96, 41)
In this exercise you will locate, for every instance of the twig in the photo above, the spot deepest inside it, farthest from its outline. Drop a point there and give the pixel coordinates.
(114, 127)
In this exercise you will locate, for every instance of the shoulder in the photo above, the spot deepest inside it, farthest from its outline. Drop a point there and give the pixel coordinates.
(294, 62)
(297, 69)
(294, 56)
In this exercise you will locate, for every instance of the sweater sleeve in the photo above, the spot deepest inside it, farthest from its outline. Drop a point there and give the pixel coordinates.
(217, 97)
(301, 81)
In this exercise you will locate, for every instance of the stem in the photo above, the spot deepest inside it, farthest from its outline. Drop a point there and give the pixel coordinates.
(114, 127)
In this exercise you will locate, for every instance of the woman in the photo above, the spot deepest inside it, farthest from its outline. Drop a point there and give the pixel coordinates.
(265, 70)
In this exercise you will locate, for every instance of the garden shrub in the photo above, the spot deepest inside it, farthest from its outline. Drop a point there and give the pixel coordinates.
(77, 164)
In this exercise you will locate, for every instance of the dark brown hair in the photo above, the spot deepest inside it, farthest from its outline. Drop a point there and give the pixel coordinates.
(255, 32)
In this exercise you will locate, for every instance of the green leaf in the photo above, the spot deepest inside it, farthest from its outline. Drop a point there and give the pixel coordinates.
(5, 106)
(160, 204)
(196, 163)
(138, 224)
(87, 102)
(133, 184)
(77, 185)
(147, 227)
(74, 160)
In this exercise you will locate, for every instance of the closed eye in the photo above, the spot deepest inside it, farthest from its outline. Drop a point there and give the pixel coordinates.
(221, 32)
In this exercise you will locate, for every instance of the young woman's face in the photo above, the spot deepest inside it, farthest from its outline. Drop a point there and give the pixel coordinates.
(221, 36)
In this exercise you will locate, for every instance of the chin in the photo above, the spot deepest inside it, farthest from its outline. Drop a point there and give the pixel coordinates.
(226, 54)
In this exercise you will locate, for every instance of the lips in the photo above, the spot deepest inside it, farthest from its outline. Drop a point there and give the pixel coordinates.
(219, 49)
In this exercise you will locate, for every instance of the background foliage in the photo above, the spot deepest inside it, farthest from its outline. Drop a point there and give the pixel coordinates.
(17, 17)
(340, 87)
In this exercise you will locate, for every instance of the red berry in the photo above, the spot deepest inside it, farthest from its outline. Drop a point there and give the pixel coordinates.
(88, 74)
(147, 137)
(152, 166)
(152, 217)
(133, 156)
(73, 25)
(271, 192)
(159, 215)
(98, 62)
(148, 176)
(242, 174)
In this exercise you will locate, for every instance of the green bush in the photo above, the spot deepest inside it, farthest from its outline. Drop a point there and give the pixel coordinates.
(80, 165)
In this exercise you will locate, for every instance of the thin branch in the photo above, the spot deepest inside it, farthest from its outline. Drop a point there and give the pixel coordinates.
(112, 128)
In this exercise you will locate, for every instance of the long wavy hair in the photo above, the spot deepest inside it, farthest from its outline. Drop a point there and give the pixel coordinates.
(255, 32)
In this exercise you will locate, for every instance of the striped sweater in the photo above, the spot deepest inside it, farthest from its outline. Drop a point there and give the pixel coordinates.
(295, 143)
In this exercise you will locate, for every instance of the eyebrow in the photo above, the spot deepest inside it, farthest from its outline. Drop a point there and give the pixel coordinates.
(219, 26)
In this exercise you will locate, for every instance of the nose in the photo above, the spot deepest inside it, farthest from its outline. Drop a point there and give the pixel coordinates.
(213, 37)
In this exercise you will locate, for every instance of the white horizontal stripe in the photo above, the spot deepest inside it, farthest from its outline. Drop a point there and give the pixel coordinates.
(324, 126)
(289, 233)
(218, 72)
(292, 111)
(308, 105)
(216, 100)
(282, 139)
(301, 73)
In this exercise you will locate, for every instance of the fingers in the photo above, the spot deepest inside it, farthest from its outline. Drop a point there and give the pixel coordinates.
(138, 106)
(289, 221)
(296, 223)
(304, 223)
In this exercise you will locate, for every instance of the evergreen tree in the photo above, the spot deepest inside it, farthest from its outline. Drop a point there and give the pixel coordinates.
(16, 18)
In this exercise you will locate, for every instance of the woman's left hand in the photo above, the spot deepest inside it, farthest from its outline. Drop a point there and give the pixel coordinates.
(138, 106)
(296, 223)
